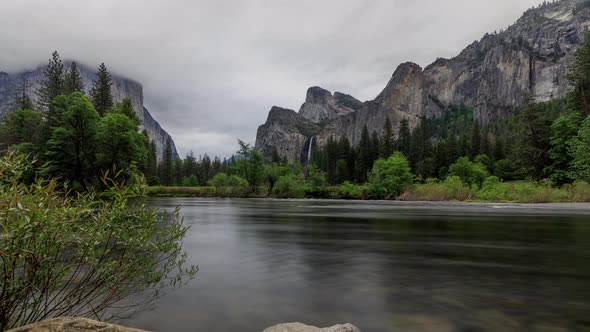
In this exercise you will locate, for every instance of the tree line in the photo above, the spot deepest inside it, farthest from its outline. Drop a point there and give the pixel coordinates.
(75, 137)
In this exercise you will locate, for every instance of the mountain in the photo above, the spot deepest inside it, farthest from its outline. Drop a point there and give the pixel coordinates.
(490, 75)
(122, 88)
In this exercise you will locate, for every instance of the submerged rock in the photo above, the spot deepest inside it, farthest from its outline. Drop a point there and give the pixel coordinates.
(298, 327)
(69, 324)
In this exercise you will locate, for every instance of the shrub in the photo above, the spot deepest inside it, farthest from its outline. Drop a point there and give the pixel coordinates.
(316, 183)
(390, 177)
(470, 173)
(190, 181)
(505, 169)
(349, 190)
(74, 255)
(289, 186)
(223, 180)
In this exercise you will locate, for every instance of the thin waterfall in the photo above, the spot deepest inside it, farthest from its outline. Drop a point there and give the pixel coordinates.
(309, 150)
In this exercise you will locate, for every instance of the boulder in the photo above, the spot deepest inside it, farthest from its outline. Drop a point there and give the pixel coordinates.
(70, 324)
(298, 327)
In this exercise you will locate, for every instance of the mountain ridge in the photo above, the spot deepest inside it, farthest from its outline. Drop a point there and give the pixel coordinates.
(122, 87)
(490, 75)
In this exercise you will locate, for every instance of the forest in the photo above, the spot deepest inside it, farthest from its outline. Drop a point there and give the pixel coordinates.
(540, 153)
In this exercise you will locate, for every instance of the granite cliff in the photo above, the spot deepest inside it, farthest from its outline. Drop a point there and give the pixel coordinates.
(491, 75)
(122, 88)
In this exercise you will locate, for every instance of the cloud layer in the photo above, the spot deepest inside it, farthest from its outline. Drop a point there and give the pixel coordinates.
(211, 70)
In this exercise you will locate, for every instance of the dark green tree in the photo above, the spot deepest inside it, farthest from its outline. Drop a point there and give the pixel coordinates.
(387, 140)
(21, 94)
(52, 84)
(125, 107)
(72, 147)
(404, 138)
(101, 93)
(73, 80)
(120, 146)
(579, 76)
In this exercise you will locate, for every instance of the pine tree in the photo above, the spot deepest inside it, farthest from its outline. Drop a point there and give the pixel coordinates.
(404, 138)
(52, 84)
(579, 77)
(101, 94)
(375, 148)
(21, 96)
(166, 167)
(452, 150)
(475, 140)
(387, 140)
(73, 80)
(364, 155)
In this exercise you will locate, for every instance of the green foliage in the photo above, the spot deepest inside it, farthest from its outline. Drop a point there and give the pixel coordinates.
(190, 181)
(273, 172)
(349, 190)
(316, 183)
(452, 188)
(72, 147)
(580, 152)
(390, 177)
(73, 80)
(101, 95)
(484, 160)
(119, 144)
(579, 76)
(250, 164)
(563, 131)
(506, 169)
(290, 186)
(223, 180)
(52, 84)
(470, 173)
(125, 107)
(78, 256)
(21, 127)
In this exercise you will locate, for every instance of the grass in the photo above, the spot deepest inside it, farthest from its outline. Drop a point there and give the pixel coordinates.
(449, 190)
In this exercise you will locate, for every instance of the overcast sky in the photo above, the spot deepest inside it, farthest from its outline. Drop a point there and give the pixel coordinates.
(212, 69)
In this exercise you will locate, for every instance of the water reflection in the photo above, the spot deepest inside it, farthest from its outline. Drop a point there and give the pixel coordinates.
(380, 266)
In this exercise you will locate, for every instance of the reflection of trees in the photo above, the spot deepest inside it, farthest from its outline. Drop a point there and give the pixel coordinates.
(441, 265)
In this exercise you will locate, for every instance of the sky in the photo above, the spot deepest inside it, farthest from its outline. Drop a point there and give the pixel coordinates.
(211, 70)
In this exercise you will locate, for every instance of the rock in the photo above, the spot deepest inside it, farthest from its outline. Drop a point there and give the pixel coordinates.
(298, 327)
(490, 75)
(69, 324)
(122, 88)
(321, 106)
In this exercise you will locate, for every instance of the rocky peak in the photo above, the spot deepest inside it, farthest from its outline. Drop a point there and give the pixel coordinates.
(321, 106)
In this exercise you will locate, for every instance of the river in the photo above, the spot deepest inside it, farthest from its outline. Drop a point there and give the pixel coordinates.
(383, 266)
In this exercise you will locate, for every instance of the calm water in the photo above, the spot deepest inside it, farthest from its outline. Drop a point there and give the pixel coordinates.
(381, 266)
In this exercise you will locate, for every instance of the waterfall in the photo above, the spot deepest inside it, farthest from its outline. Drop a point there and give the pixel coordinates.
(309, 150)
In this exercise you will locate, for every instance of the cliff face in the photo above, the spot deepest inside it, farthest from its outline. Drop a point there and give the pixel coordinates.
(122, 88)
(490, 75)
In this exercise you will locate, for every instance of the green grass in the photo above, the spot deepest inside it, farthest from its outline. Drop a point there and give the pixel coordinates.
(432, 190)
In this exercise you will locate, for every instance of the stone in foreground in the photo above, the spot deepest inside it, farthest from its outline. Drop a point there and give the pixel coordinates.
(68, 324)
(298, 327)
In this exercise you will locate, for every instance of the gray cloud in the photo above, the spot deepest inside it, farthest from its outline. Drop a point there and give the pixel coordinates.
(211, 70)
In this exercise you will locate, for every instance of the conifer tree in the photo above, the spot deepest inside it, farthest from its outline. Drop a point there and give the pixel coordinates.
(52, 84)
(579, 77)
(404, 138)
(364, 155)
(387, 140)
(475, 140)
(101, 94)
(73, 80)
(21, 96)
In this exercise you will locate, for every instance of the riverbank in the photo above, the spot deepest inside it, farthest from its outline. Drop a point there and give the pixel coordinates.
(497, 192)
